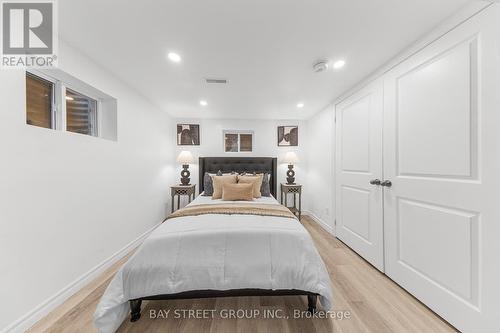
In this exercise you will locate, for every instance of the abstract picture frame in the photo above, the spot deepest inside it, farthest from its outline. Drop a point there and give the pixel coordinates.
(188, 134)
(288, 136)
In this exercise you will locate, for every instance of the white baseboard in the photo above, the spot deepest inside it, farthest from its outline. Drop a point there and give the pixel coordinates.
(42, 310)
(321, 223)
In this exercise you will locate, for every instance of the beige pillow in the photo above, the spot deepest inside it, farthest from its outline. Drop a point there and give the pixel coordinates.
(219, 181)
(233, 192)
(256, 182)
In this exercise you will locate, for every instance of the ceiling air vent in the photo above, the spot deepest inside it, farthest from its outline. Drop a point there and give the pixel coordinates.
(218, 81)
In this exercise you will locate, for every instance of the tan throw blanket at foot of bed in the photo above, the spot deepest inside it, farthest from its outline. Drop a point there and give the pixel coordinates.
(234, 209)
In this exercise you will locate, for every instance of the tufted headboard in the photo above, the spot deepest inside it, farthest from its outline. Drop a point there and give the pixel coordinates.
(240, 164)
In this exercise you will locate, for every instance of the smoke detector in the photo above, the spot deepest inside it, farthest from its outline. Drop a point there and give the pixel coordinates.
(320, 66)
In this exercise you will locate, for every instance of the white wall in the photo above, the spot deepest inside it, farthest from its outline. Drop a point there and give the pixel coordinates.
(265, 144)
(320, 167)
(68, 201)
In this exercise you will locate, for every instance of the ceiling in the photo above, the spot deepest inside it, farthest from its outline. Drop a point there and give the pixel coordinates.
(265, 48)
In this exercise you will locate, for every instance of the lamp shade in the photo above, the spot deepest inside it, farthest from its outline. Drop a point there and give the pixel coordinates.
(291, 158)
(185, 157)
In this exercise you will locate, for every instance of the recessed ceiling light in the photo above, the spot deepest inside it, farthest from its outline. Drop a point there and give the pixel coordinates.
(174, 57)
(300, 105)
(203, 103)
(338, 64)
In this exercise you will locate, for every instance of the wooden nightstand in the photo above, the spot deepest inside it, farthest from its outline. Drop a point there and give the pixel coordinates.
(294, 189)
(179, 190)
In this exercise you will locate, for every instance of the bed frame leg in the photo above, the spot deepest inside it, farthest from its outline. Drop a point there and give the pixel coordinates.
(135, 310)
(311, 303)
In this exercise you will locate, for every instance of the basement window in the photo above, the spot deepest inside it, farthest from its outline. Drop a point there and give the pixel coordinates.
(39, 101)
(238, 141)
(81, 113)
(58, 101)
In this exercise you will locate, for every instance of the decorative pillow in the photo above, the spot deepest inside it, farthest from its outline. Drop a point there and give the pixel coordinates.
(265, 189)
(219, 181)
(208, 185)
(256, 182)
(233, 192)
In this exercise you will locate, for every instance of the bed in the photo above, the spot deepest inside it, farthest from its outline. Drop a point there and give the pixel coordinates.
(218, 255)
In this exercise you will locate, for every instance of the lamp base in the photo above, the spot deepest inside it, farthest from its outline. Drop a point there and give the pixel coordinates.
(290, 179)
(185, 175)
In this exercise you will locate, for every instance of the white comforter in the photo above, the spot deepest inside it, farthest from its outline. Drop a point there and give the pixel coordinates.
(218, 252)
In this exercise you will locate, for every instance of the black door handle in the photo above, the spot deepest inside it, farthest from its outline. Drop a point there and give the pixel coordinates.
(375, 182)
(386, 183)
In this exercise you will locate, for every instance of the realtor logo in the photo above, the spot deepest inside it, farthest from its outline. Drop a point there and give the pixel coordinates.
(28, 30)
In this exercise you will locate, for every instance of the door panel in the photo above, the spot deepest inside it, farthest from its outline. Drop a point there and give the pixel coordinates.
(438, 211)
(354, 217)
(422, 223)
(437, 112)
(359, 212)
(356, 136)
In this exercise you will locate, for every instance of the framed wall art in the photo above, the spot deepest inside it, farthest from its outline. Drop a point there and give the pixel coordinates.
(188, 135)
(288, 136)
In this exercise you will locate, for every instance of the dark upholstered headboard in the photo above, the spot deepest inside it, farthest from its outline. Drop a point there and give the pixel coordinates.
(240, 164)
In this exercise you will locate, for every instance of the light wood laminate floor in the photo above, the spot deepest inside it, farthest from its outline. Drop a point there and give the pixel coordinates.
(375, 304)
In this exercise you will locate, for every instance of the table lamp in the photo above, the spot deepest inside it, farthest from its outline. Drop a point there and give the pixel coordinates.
(185, 158)
(291, 159)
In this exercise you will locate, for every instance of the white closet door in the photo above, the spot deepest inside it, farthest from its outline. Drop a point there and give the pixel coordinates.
(441, 152)
(359, 210)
